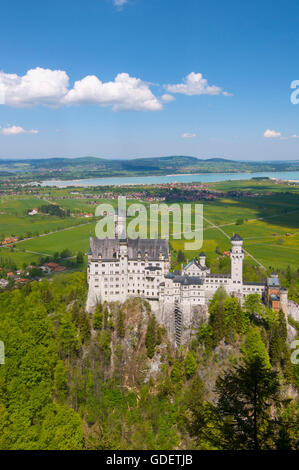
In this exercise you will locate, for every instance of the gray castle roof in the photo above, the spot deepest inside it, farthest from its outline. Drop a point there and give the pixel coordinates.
(195, 262)
(185, 280)
(236, 238)
(108, 247)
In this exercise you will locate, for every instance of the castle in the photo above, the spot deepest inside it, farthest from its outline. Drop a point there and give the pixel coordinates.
(119, 268)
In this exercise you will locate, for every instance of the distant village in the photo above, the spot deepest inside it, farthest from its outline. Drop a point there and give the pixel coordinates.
(14, 279)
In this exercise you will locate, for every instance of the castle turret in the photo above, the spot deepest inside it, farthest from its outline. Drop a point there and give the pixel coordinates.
(120, 226)
(237, 257)
(283, 294)
(202, 259)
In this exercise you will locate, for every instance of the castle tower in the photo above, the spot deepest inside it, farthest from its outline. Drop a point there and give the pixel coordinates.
(202, 259)
(284, 301)
(120, 226)
(237, 256)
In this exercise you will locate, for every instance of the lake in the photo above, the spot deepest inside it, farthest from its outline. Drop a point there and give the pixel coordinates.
(203, 178)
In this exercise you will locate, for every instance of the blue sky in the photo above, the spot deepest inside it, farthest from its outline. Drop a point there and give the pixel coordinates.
(149, 78)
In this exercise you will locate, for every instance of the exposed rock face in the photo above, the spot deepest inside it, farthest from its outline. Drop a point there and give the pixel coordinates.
(180, 320)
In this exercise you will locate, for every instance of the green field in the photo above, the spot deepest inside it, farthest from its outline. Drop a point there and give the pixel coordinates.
(269, 225)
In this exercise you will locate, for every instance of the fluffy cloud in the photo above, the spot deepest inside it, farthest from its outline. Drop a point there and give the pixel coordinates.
(14, 130)
(37, 86)
(271, 134)
(187, 135)
(195, 84)
(51, 88)
(124, 93)
(167, 98)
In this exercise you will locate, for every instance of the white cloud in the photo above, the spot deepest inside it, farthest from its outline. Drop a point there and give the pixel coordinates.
(187, 135)
(195, 84)
(271, 134)
(294, 136)
(124, 93)
(167, 98)
(51, 88)
(37, 86)
(14, 130)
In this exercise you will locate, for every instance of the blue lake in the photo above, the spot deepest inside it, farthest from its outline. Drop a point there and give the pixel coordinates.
(203, 178)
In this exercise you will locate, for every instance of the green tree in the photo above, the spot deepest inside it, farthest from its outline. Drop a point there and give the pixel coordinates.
(181, 257)
(177, 373)
(243, 417)
(61, 429)
(67, 336)
(252, 304)
(84, 326)
(255, 347)
(60, 380)
(150, 337)
(120, 324)
(190, 365)
(98, 318)
(79, 258)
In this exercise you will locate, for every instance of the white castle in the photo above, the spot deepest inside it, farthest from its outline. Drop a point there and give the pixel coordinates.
(120, 268)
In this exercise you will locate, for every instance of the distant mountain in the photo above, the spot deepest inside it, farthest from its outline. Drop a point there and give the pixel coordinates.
(90, 167)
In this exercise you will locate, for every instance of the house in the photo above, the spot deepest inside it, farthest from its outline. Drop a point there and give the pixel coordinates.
(33, 212)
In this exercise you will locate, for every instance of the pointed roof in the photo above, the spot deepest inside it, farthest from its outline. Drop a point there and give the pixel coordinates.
(202, 254)
(193, 261)
(236, 238)
(197, 264)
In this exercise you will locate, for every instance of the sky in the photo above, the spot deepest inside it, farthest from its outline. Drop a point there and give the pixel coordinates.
(145, 78)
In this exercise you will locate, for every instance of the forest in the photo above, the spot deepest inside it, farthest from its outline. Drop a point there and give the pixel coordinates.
(112, 380)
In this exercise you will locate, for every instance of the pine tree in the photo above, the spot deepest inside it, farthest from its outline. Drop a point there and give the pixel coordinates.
(120, 324)
(67, 336)
(181, 257)
(98, 318)
(60, 380)
(151, 337)
(190, 365)
(243, 417)
(84, 326)
(177, 373)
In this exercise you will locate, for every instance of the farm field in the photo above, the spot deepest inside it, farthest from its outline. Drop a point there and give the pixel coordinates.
(268, 224)
(255, 185)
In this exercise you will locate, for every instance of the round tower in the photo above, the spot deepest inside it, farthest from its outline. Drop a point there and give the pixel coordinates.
(202, 259)
(120, 225)
(237, 257)
(283, 294)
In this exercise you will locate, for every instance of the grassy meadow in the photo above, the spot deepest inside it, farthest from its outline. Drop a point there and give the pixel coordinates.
(269, 225)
